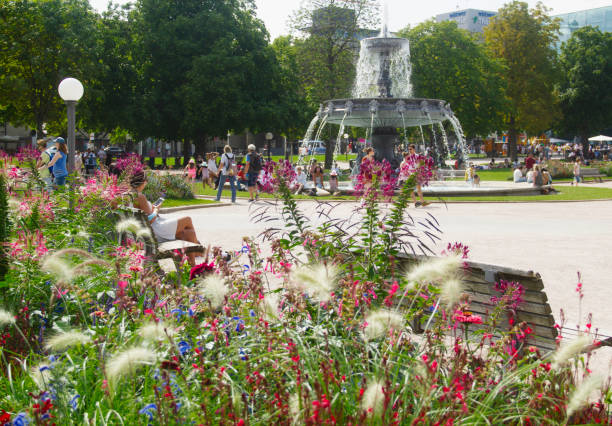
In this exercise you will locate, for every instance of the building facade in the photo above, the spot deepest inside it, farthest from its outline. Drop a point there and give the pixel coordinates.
(600, 17)
(472, 20)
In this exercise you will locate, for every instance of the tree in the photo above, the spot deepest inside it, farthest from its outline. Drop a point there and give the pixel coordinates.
(524, 40)
(327, 46)
(207, 68)
(450, 64)
(586, 79)
(42, 42)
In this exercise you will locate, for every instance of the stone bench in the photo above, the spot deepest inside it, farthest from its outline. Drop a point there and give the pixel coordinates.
(450, 173)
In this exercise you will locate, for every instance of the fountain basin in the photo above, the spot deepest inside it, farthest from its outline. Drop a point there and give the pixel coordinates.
(386, 112)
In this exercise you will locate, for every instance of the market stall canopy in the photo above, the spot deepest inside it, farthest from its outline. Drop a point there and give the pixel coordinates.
(558, 141)
(601, 138)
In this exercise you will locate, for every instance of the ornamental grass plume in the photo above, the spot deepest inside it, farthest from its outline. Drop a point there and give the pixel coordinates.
(58, 267)
(318, 280)
(6, 318)
(214, 289)
(380, 322)
(581, 394)
(569, 350)
(134, 226)
(41, 374)
(435, 269)
(127, 362)
(155, 331)
(64, 340)
(294, 408)
(450, 292)
(373, 398)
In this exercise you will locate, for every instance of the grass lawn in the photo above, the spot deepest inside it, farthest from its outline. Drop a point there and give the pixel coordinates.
(565, 193)
(171, 202)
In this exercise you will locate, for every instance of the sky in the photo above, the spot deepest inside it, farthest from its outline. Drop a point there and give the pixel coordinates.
(275, 13)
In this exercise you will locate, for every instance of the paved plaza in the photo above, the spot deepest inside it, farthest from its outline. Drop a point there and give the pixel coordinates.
(555, 239)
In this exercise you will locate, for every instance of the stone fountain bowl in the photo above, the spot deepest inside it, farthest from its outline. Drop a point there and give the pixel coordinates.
(386, 112)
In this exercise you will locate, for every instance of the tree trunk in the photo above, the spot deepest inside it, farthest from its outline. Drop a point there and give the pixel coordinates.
(584, 140)
(330, 146)
(512, 137)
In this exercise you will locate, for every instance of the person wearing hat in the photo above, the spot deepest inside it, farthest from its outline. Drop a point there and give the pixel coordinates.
(58, 162)
(190, 171)
(204, 173)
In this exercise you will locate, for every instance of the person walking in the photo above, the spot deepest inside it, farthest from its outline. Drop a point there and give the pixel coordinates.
(577, 172)
(227, 171)
(42, 164)
(252, 169)
(58, 162)
(213, 172)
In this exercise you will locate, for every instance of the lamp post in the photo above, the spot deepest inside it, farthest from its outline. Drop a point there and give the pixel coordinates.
(70, 90)
(269, 137)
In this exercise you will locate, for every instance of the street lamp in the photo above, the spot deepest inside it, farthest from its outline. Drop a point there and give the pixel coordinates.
(70, 90)
(269, 137)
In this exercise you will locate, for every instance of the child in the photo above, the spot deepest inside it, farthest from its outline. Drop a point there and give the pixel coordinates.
(204, 173)
(333, 179)
(190, 171)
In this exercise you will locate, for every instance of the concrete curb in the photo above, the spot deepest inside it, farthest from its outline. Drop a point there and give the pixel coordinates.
(192, 207)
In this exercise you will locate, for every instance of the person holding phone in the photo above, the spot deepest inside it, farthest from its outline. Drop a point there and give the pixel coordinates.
(164, 228)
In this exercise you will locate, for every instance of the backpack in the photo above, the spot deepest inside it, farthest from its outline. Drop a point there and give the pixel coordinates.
(255, 163)
(230, 165)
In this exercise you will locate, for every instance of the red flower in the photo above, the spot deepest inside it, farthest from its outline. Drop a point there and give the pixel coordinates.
(200, 269)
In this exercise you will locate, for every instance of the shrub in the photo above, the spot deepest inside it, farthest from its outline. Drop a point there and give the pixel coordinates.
(168, 186)
(560, 170)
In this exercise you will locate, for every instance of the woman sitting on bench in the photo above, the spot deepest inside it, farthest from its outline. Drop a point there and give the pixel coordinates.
(164, 228)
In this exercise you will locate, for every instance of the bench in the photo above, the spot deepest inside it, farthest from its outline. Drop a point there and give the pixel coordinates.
(479, 283)
(444, 174)
(162, 253)
(592, 173)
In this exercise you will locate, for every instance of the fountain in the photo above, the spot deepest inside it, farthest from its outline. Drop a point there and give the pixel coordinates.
(382, 101)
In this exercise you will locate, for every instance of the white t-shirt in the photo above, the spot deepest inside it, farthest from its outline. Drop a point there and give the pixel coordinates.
(517, 175)
(300, 178)
(212, 165)
(224, 162)
(530, 176)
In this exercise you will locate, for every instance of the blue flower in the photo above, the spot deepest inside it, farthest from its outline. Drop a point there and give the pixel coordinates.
(252, 313)
(184, 347)
(73, 401)
(148, 410)
(179, 312)
(21, 419)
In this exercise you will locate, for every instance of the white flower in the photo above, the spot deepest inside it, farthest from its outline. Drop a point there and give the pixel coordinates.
(41, 374)
(435, 269)
(318, 280)
(6, 318)
(450, 292)
(57, 267)
(62, 341)
(373, 398)
(127, 362)
(582, 393)
(154, 331)
(570, 350)
(379, 323)
(214, 289)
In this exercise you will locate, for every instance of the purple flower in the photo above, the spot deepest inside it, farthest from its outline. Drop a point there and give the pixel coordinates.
(183, 347)
(148, 410)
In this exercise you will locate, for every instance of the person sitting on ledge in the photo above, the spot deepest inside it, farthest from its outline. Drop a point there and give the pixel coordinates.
(164, 228)
(518, 175)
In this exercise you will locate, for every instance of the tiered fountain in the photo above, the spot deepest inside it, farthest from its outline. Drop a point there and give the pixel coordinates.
(382, 102)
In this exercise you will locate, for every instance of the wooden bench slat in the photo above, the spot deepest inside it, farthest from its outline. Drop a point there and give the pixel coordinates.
(529, 296)
(167, 265)
(538, 308)
(171, 246)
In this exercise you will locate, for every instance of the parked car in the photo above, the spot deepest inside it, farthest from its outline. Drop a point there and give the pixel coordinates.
(316, 147)
(114, 151)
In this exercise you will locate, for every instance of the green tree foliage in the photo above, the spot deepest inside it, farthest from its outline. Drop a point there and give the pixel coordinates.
(42, 42)
(327, 47)
(299, 112)
(524, 40)
(450, 64)
(584, 90)
(207, 68)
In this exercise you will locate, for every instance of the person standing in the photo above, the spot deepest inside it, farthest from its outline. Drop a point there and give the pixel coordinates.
(227, 170)
(90, 163)
(43, 163)
(529, 161)
(58, 162)
(190, 172)
(577, 172)
(102, 155)
(213, 172)
(252, 169)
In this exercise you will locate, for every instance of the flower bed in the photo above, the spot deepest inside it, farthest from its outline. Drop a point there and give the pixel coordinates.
(318, 332)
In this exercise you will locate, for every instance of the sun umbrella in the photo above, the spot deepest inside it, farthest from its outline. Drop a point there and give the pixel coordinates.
(601, 138)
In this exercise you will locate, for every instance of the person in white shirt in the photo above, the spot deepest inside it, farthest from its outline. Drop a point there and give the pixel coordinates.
(227, 168)
(300, 180)
(518, 175)
(213, 172)
(530, 176)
